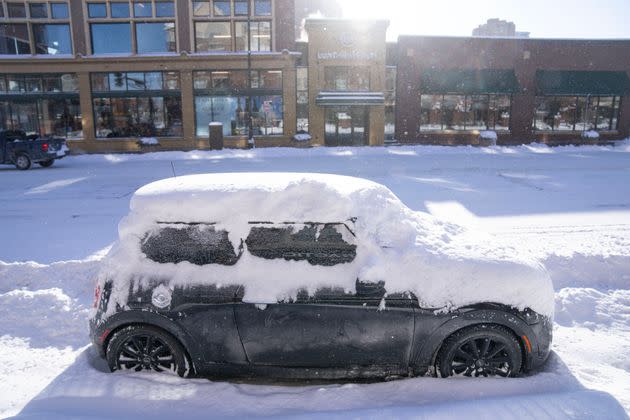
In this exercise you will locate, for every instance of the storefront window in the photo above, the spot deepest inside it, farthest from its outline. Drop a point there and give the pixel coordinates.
(355, 78)
(146, 104)
(223, 96)
(390, 103)
(54, 110)
(465, 112)
(570, 113)
(241, 7)
(52, 39)
(14, 39)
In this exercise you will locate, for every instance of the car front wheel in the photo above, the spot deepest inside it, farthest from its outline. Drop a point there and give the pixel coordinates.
(481, 350)
(139, 347)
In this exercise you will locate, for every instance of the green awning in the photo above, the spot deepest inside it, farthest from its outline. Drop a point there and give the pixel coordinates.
(469, 81)
(555, 82)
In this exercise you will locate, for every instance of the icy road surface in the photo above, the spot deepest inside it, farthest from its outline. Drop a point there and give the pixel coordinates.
(569, 206)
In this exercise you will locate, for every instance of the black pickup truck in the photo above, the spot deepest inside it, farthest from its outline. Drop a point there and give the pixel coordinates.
(16, 148)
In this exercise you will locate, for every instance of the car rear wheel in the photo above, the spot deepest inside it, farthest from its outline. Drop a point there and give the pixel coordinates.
(22, 162)
(481, 350)
(46, 163)
(137, 348)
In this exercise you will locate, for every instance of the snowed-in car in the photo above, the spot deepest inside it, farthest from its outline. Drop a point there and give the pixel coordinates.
(311, 275)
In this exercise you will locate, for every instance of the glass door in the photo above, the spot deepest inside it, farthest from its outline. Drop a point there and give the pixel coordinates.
(346, 126)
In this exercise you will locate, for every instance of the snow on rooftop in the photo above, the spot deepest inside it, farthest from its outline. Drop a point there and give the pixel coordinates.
(443, 264)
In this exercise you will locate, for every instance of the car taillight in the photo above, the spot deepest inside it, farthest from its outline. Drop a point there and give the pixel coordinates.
(97, 296)
(45, 147)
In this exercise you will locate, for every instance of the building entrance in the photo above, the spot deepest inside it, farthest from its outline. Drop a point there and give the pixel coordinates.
(347, 126)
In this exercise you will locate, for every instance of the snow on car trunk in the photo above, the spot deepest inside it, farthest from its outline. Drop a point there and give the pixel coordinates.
(443, 264)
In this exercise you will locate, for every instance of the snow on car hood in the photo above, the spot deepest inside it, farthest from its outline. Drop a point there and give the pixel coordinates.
(444, 265)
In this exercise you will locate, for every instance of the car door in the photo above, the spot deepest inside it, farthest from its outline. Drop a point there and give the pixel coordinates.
(330, 329)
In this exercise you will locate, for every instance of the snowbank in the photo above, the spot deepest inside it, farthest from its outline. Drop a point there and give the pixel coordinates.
(443, 264)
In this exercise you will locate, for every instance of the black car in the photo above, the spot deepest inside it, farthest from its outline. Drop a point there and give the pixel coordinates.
(208, 329)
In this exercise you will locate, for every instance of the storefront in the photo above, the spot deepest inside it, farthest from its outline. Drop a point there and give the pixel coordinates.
(105, 74)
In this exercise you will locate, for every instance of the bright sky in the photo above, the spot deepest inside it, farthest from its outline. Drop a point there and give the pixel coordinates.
(543, 18)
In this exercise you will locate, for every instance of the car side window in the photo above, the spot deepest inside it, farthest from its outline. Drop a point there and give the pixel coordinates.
(198, 244)
(319, 244)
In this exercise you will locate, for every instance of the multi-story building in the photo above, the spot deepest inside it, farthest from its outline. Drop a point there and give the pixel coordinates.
(500, 28)
(105, 73)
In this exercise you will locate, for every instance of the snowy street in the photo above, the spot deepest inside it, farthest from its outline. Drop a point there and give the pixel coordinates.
(569, 206)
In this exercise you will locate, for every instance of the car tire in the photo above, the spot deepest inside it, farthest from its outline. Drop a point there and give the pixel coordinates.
(22, 162)
(46, 163)
(143, 347)
(481, 350)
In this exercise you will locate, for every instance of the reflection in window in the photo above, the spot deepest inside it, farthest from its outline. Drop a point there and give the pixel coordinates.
(155, 37)
(213, 36)
(119, 10)
(262, 7)
(52, 39)
(108, 38)
(54, 111)
(14, 39)
(59, 10)
(142, 9)
(356, 78)
(97, 10)
(164, 9)
(302, 99)
(16, 10)
(241, 7)
(319, 244)
(197, 244)
(260, 36)
(156, 112)
(222, 8)
(570, 113)
(38, 10)
(465, 112)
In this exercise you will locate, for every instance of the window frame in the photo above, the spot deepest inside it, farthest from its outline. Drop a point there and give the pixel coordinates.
(133, 22)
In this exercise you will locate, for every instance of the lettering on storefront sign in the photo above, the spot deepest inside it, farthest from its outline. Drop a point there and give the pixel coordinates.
(346, 55)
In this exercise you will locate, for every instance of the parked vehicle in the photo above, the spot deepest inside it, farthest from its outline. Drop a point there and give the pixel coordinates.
(16, 148)
(210, 277)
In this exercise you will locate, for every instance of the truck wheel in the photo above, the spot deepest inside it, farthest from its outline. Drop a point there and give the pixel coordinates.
(22, 162)
(47, 163)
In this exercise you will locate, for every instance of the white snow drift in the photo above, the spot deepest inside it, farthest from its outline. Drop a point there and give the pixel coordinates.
(443, 264)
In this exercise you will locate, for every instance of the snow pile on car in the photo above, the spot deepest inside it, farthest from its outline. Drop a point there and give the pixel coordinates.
(444, 265)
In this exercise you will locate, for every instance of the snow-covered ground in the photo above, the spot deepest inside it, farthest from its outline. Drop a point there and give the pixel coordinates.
(569, 206)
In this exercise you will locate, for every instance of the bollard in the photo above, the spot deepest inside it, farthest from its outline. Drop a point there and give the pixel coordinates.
(215, 135)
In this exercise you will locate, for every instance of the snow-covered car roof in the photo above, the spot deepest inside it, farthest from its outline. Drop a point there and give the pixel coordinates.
(443, 264)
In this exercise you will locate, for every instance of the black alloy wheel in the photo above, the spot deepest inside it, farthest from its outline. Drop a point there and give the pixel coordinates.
(138, 348)
(480, 351)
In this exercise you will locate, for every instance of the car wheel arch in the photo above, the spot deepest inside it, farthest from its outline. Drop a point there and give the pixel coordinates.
(164, 325)
(425, 356)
